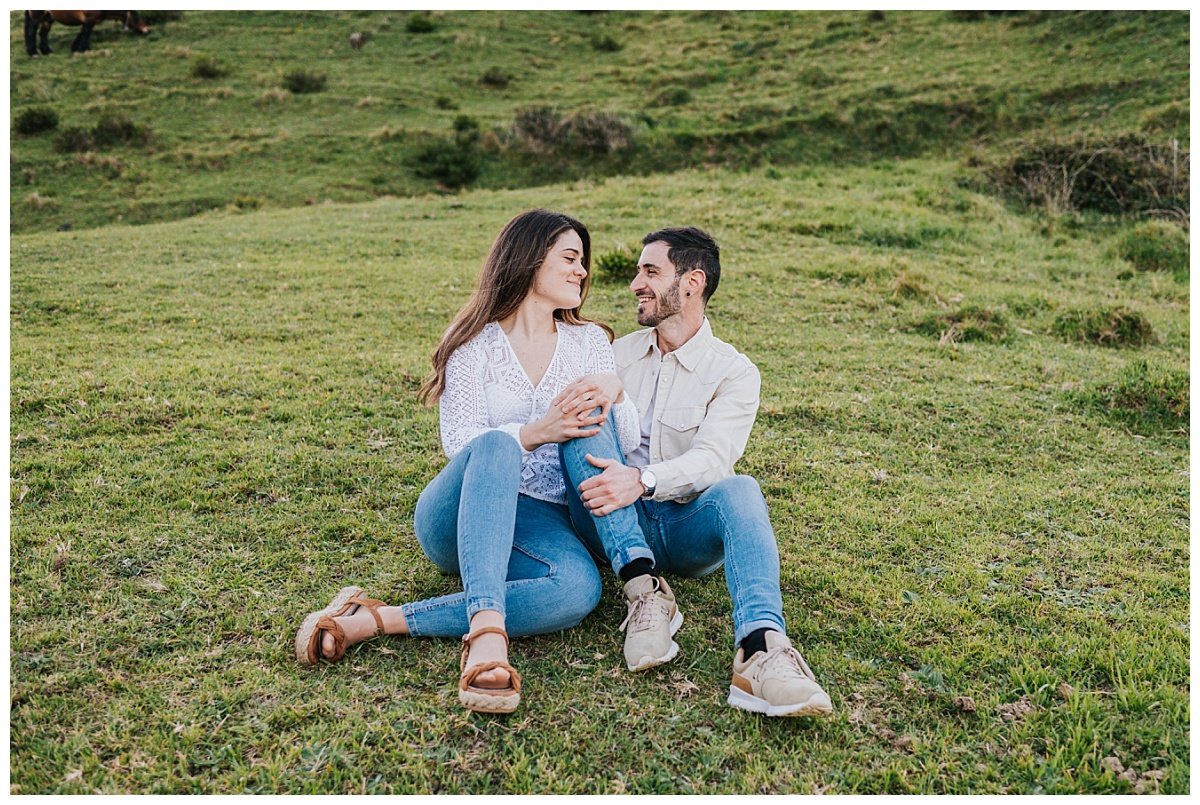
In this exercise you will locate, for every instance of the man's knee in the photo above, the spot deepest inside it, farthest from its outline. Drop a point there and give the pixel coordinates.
(740, 490)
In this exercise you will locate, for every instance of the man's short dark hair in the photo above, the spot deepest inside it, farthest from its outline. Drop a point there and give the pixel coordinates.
(689, 249)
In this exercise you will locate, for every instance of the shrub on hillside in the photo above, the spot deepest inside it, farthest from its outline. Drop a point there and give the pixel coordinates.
(1125, 175)
(207, 67)
(119, 130)
(419, 24)
(673, 96)
(619, 265)
(605, 43)
(35, 120)
(1107, 326)
(72, 139)
(454, 162)
(299, 82)
(444, 102)
(495, 77)
(543, 129)
(968, 323)
(1156, 246)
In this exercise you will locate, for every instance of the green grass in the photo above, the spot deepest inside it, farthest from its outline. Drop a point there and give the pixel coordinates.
(697, 89)
(214, 426)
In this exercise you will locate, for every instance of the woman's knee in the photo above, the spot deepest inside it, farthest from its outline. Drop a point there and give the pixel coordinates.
(496, 443)
(577, 594)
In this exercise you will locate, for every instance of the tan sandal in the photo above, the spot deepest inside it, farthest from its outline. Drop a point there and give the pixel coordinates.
(487, 700)
(311, 632)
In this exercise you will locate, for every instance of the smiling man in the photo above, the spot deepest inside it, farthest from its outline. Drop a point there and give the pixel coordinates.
(698, 398)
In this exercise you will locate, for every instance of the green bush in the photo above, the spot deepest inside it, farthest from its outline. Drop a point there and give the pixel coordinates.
(454, 162)
(1125, 175)
(543, 129)
(207, 67)
(119, 130)
(495, 77)
(419, 24)
(673, 96)
(35, 120)
(299, 82)
(619, 265)
(444, 102)
(1107, 326)
(605, 43)
(72, 139)
(1156, 246)
(968, 323)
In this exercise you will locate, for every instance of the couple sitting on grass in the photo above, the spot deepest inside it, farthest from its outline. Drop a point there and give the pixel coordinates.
(566, 451)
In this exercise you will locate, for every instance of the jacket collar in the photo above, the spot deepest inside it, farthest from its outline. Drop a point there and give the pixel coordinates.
(691, 352)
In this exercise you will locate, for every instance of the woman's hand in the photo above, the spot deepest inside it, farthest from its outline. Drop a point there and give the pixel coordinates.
(561, 424)
(590, 391)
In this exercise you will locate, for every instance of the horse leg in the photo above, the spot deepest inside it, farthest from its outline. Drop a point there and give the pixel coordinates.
(83, 41)
(44, 34)
(30, 34)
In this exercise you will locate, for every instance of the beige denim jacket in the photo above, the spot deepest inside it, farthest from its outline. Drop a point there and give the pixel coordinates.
(706, 404)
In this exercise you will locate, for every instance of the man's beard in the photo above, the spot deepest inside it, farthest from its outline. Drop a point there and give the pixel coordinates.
(665, 306)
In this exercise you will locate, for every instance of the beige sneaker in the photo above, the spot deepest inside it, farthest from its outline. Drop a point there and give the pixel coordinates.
(777, 682)
(653, 618)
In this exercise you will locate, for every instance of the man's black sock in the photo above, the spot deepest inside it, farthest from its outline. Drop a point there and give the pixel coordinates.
(754, 642)
(638, 567)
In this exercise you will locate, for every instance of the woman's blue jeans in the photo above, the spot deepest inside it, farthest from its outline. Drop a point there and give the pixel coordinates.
(727, 524)
(517, 555)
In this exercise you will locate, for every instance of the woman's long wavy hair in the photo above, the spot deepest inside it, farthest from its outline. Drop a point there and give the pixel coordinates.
(508, 273)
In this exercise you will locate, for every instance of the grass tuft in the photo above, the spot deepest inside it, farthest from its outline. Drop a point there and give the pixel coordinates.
(208, 67)
(968, 323)
(1157, 246)
(1107, 326)
(1146, 396)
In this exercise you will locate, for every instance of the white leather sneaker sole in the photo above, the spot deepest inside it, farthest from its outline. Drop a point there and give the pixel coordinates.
(817, 705)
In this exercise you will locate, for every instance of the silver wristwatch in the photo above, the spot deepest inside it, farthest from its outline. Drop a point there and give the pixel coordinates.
(650, 481)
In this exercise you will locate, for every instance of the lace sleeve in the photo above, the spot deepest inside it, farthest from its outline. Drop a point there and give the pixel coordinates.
(600, 360)
(462, 409)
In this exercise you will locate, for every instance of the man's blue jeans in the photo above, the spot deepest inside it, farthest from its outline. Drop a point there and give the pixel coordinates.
(727, 524)
(516, 555)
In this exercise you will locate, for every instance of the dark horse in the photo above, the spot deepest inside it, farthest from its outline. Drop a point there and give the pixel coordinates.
(37, 27)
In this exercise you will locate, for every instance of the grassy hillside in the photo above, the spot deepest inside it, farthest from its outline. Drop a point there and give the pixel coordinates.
(649, 92)
(984, 542)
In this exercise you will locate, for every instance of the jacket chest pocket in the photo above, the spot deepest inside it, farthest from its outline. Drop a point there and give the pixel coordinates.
(679, 426)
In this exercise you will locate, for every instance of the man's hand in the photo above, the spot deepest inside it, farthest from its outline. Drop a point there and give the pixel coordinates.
(588, 392)
(615, 488)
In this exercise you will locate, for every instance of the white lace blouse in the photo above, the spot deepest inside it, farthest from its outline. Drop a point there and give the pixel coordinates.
(487, 389)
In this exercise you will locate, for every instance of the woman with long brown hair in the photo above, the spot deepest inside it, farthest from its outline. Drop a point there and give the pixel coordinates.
(505, 377)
